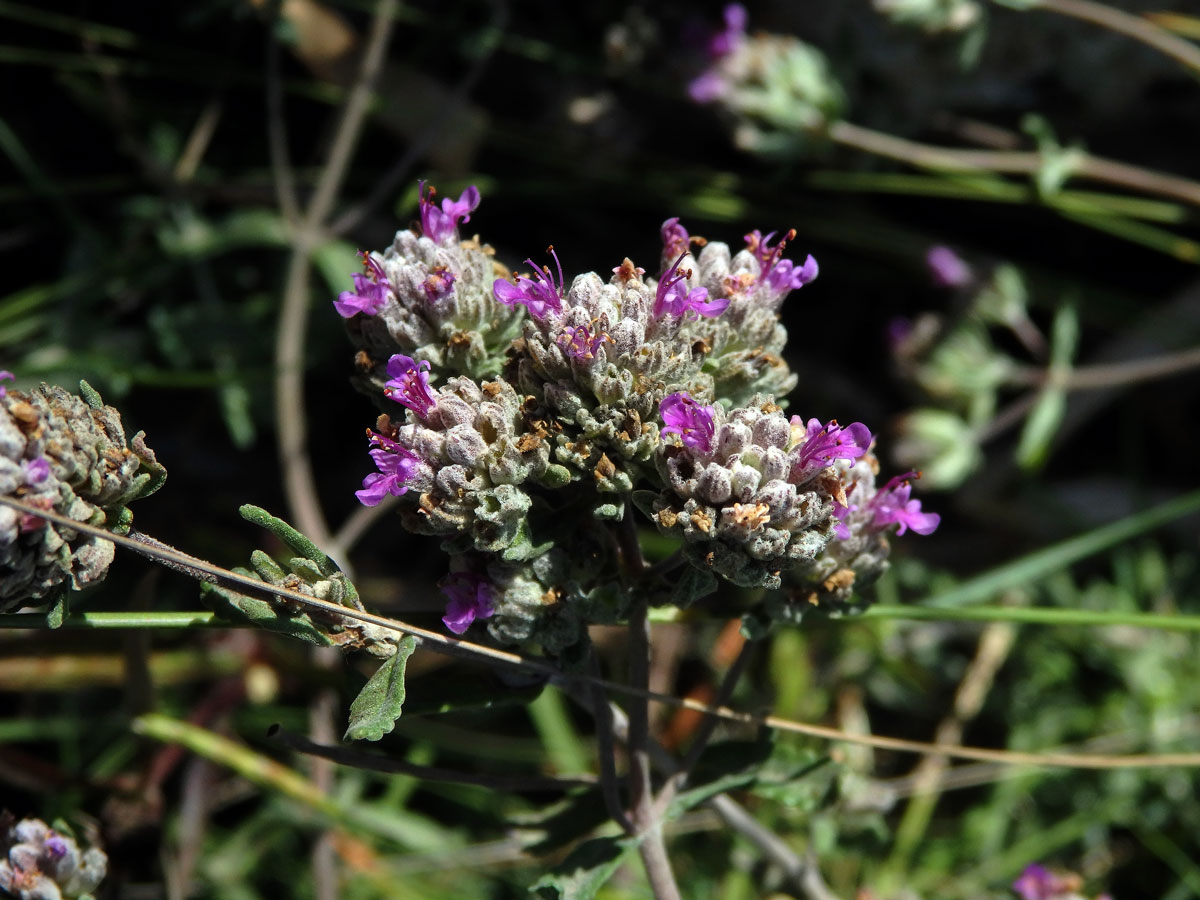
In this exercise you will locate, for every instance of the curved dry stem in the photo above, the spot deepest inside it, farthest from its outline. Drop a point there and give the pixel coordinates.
(1026, 162)
(1140, 29)
(457, 647)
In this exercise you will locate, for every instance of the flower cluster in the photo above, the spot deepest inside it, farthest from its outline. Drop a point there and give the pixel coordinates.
(593, 392)
(777, 91)
(1039, 883)
(39, 863)
(59, 452)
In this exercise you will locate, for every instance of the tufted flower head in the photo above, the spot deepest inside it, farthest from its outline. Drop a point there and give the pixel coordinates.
(370, 291)
(5, 375)
(892, 506)
(672, 298)
(470, 596)
(540, 296)
(397, 466)
(819, 445)
(440, 224)
(409, 384)
(688, 419)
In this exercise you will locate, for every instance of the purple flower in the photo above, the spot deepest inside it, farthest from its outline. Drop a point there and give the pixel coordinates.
(780, 275)
(369, 294)
(397, 465)
(439, 224)
(55, 846)
(892, 506)
(538, 296)
(727, 40)
(1036, 883)
(5, 375)
(708, 87)
(409, 384)
(822, 444)
(674, 299)
(36, 470)
(675, 238)
(692, 422)
(579, 342)
(471, 598)
(439, 283)
(947, 268)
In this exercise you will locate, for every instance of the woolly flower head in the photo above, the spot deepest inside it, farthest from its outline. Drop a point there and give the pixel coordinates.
(593, 392)
(777, 91)
(429, 296)
(62, 453)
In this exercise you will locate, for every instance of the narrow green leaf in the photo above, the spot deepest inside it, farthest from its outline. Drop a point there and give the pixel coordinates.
(241, 607)
(586, 870)
(1033, 566)
(300, 544)
(378, 705)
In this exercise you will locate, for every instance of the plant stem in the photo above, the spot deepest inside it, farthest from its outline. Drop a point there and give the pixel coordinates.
(679, 779)
(298, 478)
(1136, 27)
(1034, 616)
(1107, 375)
(949, 159)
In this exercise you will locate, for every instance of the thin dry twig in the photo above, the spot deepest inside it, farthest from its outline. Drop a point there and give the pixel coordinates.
(295, 464)
(456, 646)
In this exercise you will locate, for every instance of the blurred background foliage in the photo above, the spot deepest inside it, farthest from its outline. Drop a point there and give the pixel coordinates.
(147, 250)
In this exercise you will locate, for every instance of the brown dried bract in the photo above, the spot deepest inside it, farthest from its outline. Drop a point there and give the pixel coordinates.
(839, 580)
(604, 469)
(753, 515)
(627, 271)
(528, 442)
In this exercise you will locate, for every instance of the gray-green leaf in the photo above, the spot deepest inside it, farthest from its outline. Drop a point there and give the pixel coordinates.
(378, 705)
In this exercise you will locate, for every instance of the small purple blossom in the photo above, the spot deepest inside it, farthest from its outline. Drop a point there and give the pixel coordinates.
(708, 87)
(397, 465)
(409, 384)
(892, 506)
(674, 299)
(438, 284)
(780, 275)
(55, 846)
(578, 342)
(731, 36)
(822, 444)
(5, 375)
(675, 238)
(692, 422)
(947, 268)
(370, 291)
(440, 224)
(540, 296)
(36, 470)
(471, 598)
